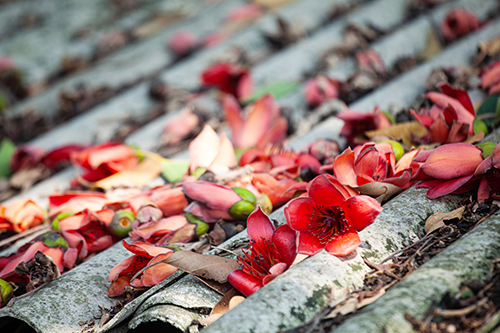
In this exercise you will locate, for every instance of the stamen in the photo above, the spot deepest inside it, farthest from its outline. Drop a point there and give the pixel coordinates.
(327, 222)
(260, 258)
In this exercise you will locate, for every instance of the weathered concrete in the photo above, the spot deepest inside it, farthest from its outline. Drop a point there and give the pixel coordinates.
(465, 260)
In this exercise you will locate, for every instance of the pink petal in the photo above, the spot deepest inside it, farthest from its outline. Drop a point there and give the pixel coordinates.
(213, 195)
(258, 121)
(361, 211)
(226, 157)
(204, 148)
(452, 161)
(232, 113)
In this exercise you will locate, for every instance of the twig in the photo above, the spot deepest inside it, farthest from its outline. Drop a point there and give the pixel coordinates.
(408, 247)
(460, 312)
(15, 298)
(24, 234)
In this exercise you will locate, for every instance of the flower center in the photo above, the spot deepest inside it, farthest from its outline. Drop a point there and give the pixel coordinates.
(260, 259)
(327, 222)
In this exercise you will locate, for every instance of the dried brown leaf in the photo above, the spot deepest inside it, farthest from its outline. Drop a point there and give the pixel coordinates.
(436, 220)
(402, 131)
(221, 288)
(205, 266)
(378, 190)
(222, 306)
(432, 48)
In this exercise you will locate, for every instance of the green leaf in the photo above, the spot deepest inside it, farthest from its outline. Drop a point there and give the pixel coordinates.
(490, 107)
(479, 126)
(486, 148)
(6, 292)
(7, 149)
(174, 170)
(278, 89)
(245, 195)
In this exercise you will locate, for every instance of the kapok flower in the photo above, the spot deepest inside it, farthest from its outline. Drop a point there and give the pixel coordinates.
(321, 88)
(229, 78)
(104, 160)
(271, 253)
(20, 216)
(448, 169)
(490, 78)
(263, 125)
(356, 123)
(488, 172)
(144, 254)
(183, 42)
(209, 151)
(457, 23)
(373, 163)
(330, 217)
(75, 202)
(451, 117)
(212, 201)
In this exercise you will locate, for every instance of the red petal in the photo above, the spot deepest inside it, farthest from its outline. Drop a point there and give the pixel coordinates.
(447, 187)
(439, 131)
(343, 244)
(298, 212)
(259, 226)
(275, 134)
(144, 249)
(258, 121)
(361, 211)
(285, 240)
(327, 191)
(484, 190)
(117, 287)
(121, 267)
(232, 112)
(157, 273)
(461, 95)
(309, 244)
(343, 168)
(246, 284)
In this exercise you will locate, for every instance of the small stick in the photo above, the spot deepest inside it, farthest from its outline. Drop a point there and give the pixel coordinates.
(24, 234)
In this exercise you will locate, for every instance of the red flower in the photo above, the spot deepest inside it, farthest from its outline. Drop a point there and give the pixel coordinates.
(263, 125)
(451, 117)
(271, 253)
(489, 173)
(320, 89)
(104, 160)
(356, 123)
(330, 217)
(26, 157)
(490, 78)
(144, 254)
(61, 155)
(229, 78)
(457, 23)
(448, 169)
(20, 216)
(75, 202)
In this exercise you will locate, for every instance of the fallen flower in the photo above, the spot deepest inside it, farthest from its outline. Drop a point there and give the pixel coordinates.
(263, 124)
(183, 42)
(20, 216)
(451, 117)
(320, 89)
(271, 252)
(457, 23)
(75, 202)
(356, 123)
(144, 255)
(330, 217)
(448, 169)
(229, 78)
(104, 160)
(212, 201)
(490, 78)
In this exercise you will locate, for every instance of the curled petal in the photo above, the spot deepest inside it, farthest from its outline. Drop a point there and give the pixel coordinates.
(213, 195)
(447, 187)
(204, 148)
(325, 190)
(157, 273)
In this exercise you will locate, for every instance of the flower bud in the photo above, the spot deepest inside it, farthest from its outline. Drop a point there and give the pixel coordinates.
(6, 291)
(121, 224)
(201, 227)
(52, 239)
